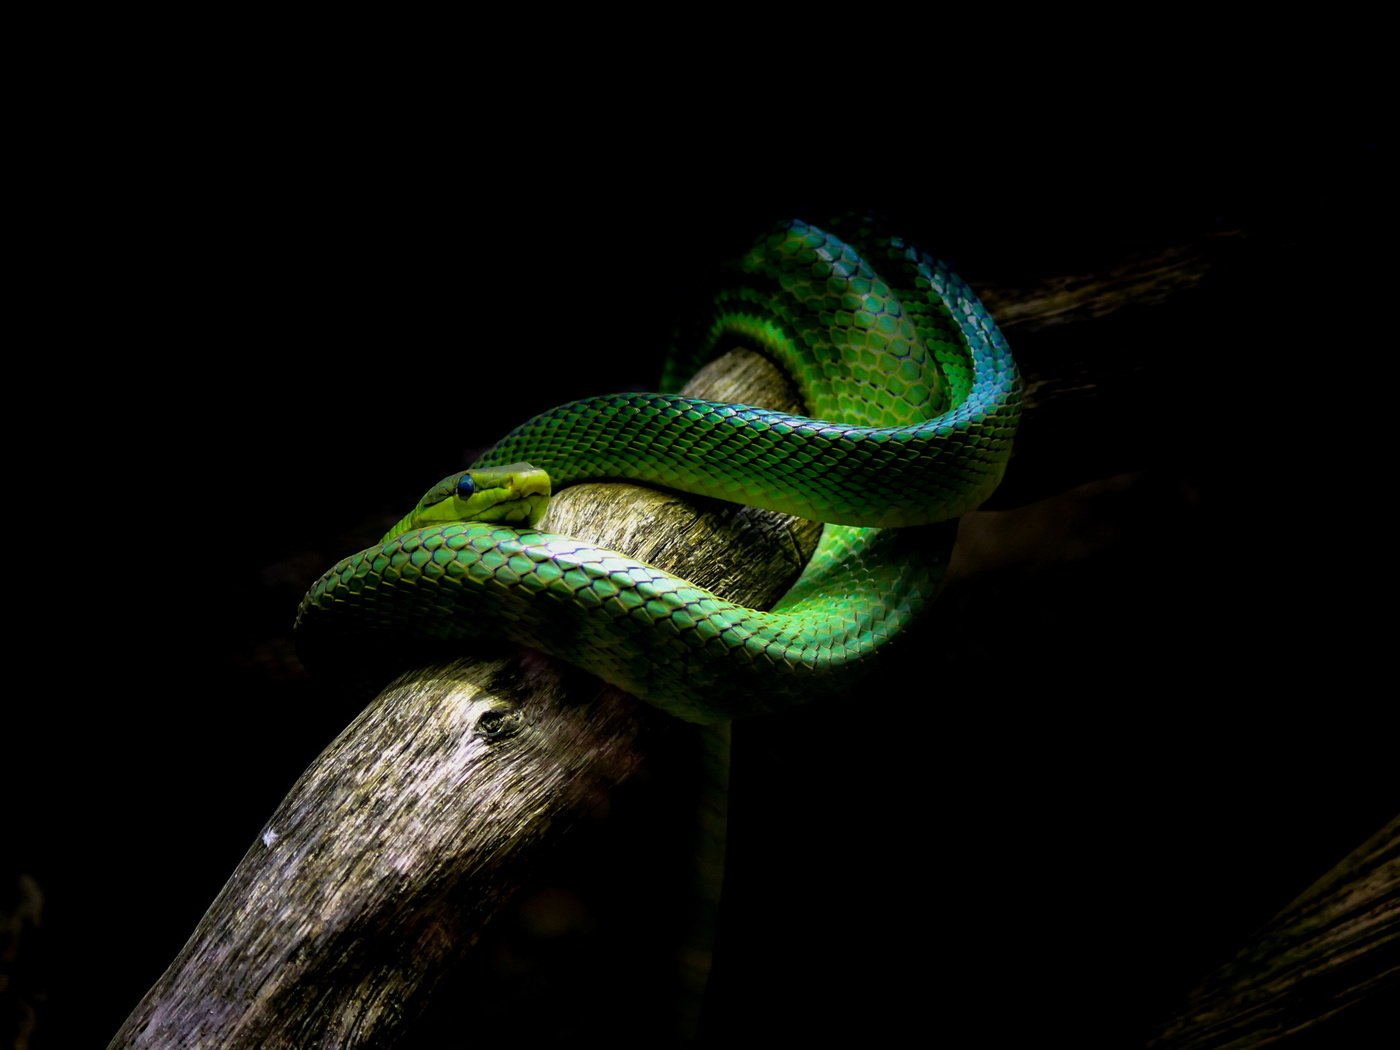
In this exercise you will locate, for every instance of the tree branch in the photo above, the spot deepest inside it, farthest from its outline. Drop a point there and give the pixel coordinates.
(374, 875)
(1335, 948)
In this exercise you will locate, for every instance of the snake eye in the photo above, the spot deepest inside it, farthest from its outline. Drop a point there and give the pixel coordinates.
(465, 486)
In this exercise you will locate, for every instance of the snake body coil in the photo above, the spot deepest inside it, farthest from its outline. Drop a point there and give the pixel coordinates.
(881, 337)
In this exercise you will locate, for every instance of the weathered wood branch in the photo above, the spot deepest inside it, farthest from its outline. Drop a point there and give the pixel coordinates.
(1334, 949)
(376, 873)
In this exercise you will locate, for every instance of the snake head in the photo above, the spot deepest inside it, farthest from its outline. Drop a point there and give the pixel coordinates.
(514, 494)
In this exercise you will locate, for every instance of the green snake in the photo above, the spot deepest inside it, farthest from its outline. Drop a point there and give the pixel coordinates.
(877, 335)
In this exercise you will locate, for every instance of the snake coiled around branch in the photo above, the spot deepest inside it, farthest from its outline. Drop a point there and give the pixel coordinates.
(914, 399)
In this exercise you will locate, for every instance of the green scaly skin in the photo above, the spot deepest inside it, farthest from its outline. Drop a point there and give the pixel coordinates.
(881, 337)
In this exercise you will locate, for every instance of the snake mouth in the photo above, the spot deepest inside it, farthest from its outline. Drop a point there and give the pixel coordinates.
(523, 494)
(521, 480)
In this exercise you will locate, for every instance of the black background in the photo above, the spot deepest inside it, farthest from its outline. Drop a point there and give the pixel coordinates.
(252, 329)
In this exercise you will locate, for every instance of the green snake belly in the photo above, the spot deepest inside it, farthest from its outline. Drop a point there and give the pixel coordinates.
(914, 399)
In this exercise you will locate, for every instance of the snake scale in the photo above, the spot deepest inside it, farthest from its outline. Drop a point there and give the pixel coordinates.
(914, 399)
